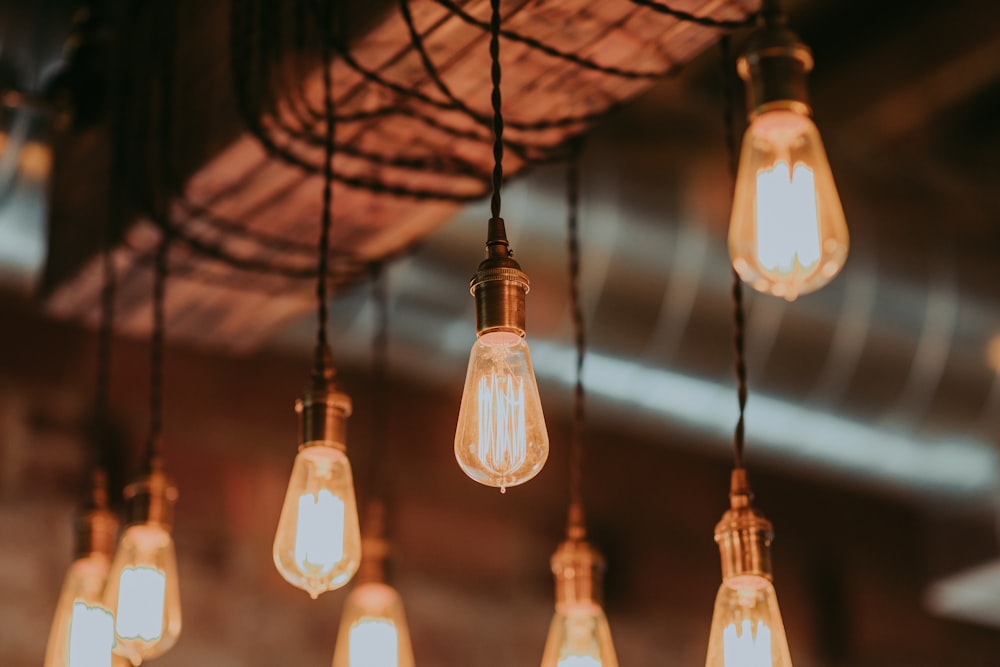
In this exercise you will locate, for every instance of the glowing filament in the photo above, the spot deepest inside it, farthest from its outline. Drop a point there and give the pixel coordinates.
(374, 643)
(91, 636)
(319, 536)
(579, 661)
(788, 236)
(141, 596)
(741, 648)
(503, 444)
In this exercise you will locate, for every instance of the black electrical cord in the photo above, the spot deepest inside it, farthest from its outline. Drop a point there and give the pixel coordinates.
(497, 104)
(704, 21)
(739, 316)
(322, 345)
(576, 516)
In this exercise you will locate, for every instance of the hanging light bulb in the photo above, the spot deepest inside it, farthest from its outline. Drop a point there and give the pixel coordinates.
(142, 586)
(373, 630)
(317, 546)
(787, 234)
(579, 635)
(746, 626)
(83, 631)
(501, 438)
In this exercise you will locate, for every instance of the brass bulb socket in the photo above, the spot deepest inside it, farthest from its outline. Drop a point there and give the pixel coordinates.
(499, 286)
(151, 499)
(374, 561)
(374, 547)
(96, 533)
(744, 536)
(323, 412)
(499, 306)
(578, 568)
(775, 68)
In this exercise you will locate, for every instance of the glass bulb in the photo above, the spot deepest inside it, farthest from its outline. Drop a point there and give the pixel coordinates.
(501, 438)
(373, 630)
(787, 235)
(746, 627)
(317, 546)
(579, 637)
(143, 592)
(83, 632)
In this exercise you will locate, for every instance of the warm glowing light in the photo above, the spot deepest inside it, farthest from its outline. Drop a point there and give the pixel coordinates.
(83, 631)
(374, 643)
(993, 353)
(787, 234)
(317, 546)
(502, 441)
(579, 637)
(579, 661)
(143, 590)
(743, 648)
(373, 630)
(91, 636)
(319, 538)
(787, 222)
(746, 627)
(141, 598)
(501, 438)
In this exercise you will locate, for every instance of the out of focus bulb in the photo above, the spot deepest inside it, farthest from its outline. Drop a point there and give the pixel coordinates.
(373, 630)
(142, 589)
(787, 235)
(746, 627)
(317, 546)
(143, 592)
(83, 632)
(501, 438)
(579, 635)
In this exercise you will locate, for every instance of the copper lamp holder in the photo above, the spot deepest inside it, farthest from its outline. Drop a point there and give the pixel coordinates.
(151, 497)
(744, 536)
(374, 546)
(96, 524)
(499, 286)
(775, 66)
(578, 567)
(323, 409)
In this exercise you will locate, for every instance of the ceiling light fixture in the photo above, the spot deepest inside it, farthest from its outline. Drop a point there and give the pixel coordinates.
(373, 629)
(142, 586)
(501, 438)
(787, 233)
(83, 630)
(579, 635)
(317, 545)
(747, 630)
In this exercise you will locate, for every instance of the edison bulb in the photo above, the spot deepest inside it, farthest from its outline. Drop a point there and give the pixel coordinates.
(501, 438)
(317, 546)
(373, 630)
(143, 592)
(787, 235)
(83, 632)
(746, 626)
(579, 637)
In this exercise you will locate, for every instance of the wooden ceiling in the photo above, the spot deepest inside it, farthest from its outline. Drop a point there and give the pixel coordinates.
(236, 199)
